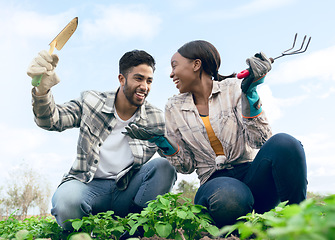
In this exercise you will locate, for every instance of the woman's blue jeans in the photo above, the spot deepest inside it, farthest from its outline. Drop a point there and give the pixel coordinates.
(74, 199)
(278, 173)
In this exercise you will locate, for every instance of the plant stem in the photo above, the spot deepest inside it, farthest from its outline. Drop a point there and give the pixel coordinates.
(181, 233)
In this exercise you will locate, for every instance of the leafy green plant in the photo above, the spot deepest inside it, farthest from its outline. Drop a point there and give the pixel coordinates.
(30, 228)
(312, 219)
(168, 217)
(173, 216)
(104, 225)
(80, 236)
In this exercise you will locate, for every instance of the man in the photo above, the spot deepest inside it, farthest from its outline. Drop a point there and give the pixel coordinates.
(112, 171)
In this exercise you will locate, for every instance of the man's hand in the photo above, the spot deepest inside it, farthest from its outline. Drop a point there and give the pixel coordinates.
(259, 66)
(152, 135)
(139, 132)
(44, 64)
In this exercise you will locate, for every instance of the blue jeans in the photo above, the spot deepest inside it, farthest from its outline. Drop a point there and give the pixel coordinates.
(278, 173)
(74, 199)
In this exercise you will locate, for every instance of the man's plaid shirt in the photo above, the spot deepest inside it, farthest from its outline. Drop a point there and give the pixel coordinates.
(93, 113)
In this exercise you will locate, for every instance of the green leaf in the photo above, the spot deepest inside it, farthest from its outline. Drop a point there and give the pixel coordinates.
(133, 229)
(77, 224)
(163, 229)
(181, 214)
(291, 210)
(213, 230)
(80, 236)
(22, 234)
(164, 201)
(196, 208)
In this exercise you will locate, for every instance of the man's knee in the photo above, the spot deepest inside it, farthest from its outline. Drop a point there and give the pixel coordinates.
(68, 205)
(163, 168)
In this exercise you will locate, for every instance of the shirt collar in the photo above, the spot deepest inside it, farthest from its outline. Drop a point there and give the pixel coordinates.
(109, 106)
(188, 103)
(216, 89)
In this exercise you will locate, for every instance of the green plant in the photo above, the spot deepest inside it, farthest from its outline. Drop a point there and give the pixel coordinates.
(104, 225)
(29, 228)
(80, 236)
(173, 216)
(313, 219)
(168, 217)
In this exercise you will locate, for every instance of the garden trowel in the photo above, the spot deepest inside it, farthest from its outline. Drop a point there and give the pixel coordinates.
(58, 42)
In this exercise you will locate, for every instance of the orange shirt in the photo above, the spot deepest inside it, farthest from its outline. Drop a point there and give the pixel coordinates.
(215, 143)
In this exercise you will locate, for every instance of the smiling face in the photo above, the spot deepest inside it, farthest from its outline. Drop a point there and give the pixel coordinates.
(184, 72)
(136, 84)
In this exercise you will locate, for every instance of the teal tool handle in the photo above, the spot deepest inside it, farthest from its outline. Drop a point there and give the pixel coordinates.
(36, 80)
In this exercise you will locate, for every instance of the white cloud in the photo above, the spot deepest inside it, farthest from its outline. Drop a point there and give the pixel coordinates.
(121, 22)
(320, 161)
(273, 106)
(15, 141)
(317, 144)
(257, 6)
(327, 94)
(249, 9)
(22, 32)
(317, 65)
(19, 24)
(50, 153)
(321, 176)
(184, 5)
(322, 171)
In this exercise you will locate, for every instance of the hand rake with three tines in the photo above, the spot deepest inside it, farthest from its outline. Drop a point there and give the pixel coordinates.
(288, 52)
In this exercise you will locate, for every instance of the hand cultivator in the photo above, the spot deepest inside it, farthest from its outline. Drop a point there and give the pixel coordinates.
(302, 49)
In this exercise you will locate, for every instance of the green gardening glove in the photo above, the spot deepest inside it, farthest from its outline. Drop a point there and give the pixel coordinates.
(152, 135)
(259, 66)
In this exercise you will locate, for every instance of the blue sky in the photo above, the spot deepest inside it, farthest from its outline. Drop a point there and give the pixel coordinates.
(298, 93)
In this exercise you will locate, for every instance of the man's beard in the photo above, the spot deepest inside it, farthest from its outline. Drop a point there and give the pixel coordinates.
(130, 95)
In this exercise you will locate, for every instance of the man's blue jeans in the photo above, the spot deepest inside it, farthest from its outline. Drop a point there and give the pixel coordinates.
(278, 173)
(74, 199)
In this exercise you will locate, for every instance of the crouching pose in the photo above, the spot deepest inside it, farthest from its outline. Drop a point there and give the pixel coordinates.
(215, 125)
(111, 171)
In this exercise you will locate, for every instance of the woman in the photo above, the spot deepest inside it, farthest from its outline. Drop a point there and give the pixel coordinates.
(218, 123)
(214, 127)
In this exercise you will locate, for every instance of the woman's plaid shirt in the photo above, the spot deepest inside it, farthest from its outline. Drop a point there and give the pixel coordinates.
(239, 136)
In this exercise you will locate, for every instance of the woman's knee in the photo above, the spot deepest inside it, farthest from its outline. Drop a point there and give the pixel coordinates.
(284, 141)
(226, 199)
(289, 149)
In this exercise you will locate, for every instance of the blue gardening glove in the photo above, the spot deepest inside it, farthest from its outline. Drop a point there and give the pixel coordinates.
(152, 135)
(259, 66)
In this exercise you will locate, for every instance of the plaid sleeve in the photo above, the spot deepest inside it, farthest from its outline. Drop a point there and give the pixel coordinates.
(183, 160)
(53, 117)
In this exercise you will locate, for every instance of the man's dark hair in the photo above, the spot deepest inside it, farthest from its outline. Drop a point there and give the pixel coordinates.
(134, 58)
